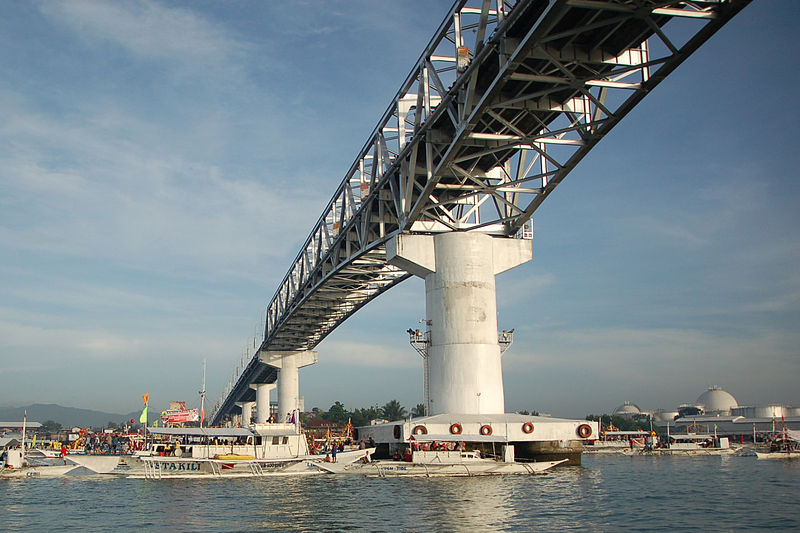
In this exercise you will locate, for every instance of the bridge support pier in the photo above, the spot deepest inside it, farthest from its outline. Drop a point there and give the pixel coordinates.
(262, 401)
(464, 362)
(247, 410)
(288, 364)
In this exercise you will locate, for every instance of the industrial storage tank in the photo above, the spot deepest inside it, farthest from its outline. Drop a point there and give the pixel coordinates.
(662, 415)
(717, 401)
(768, 411)
(627, 409)
(747, 412)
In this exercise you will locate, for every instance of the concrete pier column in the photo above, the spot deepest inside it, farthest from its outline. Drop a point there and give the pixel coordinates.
(262, 400)
(464, 362)
(288, 364)
(247, 410)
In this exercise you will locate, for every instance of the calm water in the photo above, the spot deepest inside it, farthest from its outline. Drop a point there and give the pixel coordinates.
(605, 494)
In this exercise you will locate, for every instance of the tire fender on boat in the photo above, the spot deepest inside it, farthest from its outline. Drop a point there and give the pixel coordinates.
(527, 428)
(486, 429)
(456, 429)
(584, 431)
(419, 430)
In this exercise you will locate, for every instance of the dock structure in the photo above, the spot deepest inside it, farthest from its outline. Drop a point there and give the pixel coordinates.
(505, 100)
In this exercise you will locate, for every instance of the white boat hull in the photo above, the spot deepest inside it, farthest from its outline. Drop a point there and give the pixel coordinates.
(189, 468)
(778, 455)
(486, 467)
(37, 471)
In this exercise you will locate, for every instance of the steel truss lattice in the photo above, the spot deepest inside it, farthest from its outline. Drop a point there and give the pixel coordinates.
(504, 102)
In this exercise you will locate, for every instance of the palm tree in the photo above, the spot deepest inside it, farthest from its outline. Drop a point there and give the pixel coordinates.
(394, 411)
(418, 410)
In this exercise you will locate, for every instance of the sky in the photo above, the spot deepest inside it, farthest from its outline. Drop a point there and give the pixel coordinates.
(161, 164)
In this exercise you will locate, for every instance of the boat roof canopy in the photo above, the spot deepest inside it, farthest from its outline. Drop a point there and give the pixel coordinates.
(19, 424)
(202, 432)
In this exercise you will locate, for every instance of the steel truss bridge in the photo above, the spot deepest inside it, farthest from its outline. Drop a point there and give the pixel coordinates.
(505, 100)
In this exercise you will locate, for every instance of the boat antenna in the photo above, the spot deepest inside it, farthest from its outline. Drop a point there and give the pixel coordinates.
(203, 396)
(24, 428)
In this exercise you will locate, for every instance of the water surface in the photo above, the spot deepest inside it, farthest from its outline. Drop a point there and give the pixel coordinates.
(605, 494)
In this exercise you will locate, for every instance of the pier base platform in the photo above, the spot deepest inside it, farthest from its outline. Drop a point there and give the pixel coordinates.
(534, 438)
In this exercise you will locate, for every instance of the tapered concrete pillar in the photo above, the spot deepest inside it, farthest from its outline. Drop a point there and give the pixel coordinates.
(247, 410)
(288, 364)
(464, 362)
(262, 401)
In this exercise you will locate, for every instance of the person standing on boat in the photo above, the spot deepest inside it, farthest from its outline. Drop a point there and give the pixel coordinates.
(334, 449)
(64, 453)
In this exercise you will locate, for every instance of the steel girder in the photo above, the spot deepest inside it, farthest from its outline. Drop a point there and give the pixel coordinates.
(503, 103)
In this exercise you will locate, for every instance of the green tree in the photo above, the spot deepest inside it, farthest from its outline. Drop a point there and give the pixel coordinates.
(50, 426)
(418, 410)
(623, 423)
(394, 411)
(363, 416)
(337, 413)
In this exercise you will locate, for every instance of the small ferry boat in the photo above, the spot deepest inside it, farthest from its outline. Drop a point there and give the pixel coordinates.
(17, 461)
(15, 464)
(257, 450)
(617, 442)
(692, 444)
(784, 445)
(446, 459)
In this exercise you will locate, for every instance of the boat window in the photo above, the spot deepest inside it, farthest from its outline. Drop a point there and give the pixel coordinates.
(276, 440)
(286, 440)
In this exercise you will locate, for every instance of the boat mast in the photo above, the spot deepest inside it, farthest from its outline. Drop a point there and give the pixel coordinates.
(24, 427)
(203, 395)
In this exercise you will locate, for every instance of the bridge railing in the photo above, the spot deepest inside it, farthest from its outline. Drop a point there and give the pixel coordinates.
(465, 29)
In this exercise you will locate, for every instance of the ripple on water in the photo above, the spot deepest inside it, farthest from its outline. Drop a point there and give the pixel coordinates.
(606, 493)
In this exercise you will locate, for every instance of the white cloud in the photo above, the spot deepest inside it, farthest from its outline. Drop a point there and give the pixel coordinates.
(148, 30)
(156, 208)
(366, 355)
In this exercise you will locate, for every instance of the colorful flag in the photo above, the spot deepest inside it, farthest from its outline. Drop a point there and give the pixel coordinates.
(146, 398)
(143, 416)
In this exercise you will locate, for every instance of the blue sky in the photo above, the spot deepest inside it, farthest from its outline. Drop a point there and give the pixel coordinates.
(162, 162)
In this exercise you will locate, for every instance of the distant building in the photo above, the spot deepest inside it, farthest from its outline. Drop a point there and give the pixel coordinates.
(715, 400)
(716, 410)
(628, 410)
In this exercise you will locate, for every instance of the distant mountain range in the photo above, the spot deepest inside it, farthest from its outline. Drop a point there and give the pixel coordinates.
(67, 416)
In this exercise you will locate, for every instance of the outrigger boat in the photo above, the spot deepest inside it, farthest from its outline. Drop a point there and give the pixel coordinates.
(784, 445)
(257, 450)
(693, 444)
(438, 464)
(614, 441)
(442, 462)
(15, 463)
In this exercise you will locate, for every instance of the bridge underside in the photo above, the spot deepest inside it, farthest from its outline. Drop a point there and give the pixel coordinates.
(504, 102)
